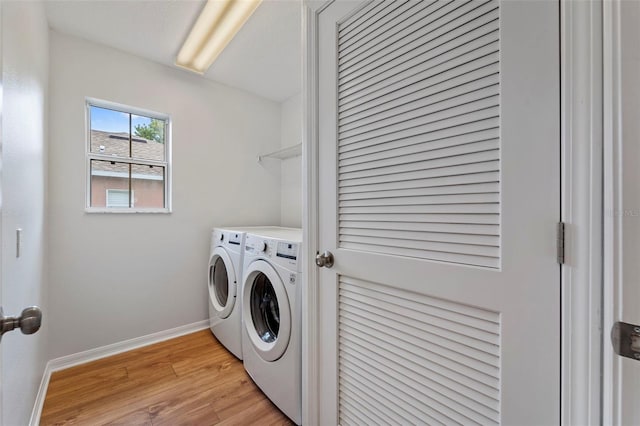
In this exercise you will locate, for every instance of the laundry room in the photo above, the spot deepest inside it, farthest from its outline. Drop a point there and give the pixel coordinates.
(319, 212)
(152, 267)
(129, 232)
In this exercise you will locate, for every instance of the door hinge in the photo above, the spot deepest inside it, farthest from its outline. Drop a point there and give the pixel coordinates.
(561, 242)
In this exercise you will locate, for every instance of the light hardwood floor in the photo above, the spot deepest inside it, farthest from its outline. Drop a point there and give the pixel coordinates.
(190, 380)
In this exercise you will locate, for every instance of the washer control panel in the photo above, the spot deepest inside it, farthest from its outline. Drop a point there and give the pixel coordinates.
(285, 253)
(258, 246)
(287, 250)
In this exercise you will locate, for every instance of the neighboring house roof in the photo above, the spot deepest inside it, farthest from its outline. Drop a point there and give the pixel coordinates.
(117, 145)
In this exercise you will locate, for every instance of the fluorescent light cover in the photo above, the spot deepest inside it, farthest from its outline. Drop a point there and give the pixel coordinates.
(217, 24)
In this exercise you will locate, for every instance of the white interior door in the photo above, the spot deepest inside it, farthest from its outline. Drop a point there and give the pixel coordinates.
(622, 214)
(439, 198)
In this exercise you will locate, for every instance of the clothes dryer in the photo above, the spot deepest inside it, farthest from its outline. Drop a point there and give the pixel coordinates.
(271, 332)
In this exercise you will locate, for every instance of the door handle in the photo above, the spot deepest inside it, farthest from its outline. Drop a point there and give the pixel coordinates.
(28, 322)
(324, 259)
(626, 340)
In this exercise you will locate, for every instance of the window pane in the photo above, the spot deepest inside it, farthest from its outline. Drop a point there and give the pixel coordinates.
(147, 183)
(109, 184)
(148, 138)
(109, 132)
(118, 198)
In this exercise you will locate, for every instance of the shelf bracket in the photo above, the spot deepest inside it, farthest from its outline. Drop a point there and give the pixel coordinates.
(284, 153)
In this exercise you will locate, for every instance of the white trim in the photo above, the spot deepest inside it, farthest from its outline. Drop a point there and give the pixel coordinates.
(581, 109)
(40, 397)
(168, 172)
(105, 173)
(2, 208)
(310, 217)
(125, 210)
(136, 161)
(126, 108)
(103, 352)
(611, 363)
(124, 346)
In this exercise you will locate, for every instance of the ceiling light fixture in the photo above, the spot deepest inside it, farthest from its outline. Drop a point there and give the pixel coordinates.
(217, 24)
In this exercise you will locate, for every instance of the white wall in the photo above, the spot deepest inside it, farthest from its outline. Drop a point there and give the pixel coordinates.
(25, 67)
(291, 130)
(115, 277)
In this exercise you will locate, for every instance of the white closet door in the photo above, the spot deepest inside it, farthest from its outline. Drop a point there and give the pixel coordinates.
(439, 198)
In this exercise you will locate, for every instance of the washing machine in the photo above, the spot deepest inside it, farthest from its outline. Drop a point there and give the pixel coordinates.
(271, 332)
(225, 275)
(225, 280)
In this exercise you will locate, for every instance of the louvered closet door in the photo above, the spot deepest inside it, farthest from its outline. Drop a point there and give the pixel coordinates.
(439, 197)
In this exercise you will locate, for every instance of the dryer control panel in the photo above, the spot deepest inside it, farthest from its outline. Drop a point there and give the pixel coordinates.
(235, 238)
(229, 239)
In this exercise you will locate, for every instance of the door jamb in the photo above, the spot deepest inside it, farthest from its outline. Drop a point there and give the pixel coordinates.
(581, 183)
(1, 197)
(611, 368)
(310, 215)
(581, 209)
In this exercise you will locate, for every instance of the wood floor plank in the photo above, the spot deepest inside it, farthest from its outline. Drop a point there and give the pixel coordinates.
(134, 418)
(188, 380)
(257, 412)
(150, 371)
(195, 413)
(86, 382)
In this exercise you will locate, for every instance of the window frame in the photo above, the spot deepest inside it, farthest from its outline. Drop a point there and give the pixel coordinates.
(89, 156)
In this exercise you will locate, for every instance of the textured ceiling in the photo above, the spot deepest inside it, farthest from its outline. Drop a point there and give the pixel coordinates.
(264, 58)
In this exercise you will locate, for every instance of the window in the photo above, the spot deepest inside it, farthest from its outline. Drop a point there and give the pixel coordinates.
(118, 198)
(127, 159)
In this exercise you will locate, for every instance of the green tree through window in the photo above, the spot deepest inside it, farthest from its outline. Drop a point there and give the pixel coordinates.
(153, 131)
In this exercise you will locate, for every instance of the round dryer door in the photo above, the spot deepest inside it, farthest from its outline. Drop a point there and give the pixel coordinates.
(222, 282)
(266, 311)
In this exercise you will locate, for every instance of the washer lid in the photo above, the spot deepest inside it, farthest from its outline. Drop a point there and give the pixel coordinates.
(266, 311)
(222, 282)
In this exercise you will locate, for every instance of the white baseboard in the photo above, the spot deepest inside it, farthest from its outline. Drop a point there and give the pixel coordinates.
(42, 393)
(103, 352)
(127, 345)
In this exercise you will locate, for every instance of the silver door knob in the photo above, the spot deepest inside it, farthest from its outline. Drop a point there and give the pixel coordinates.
(28, 322)
(324, 259)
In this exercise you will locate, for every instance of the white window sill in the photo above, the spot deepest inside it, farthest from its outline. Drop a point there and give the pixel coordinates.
(126, 211)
